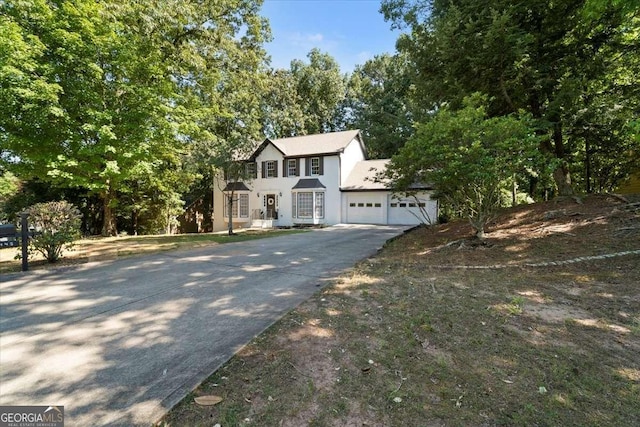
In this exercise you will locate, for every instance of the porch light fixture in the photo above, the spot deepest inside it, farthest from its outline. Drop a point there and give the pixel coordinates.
(258, 195)
(281, 194)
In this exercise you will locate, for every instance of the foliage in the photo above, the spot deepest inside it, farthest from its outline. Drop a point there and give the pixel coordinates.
(543, 57)
(468, 157)
(57, 225)
(107, 95)
(378, 103)
(282, 106)
(9, 187)
(321, 88)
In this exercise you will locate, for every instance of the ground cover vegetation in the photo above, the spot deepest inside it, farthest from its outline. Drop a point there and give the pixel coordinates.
(534, 327)
(128, 110)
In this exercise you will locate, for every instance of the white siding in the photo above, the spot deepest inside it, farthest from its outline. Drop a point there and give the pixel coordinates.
(351, 155)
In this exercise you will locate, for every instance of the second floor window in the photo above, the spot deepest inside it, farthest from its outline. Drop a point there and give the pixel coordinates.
(251, 170)
(315, 166)
(292, 167)
(270, 169)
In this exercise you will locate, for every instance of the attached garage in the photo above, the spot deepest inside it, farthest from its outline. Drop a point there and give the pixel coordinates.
(367, 200)
(366, 208)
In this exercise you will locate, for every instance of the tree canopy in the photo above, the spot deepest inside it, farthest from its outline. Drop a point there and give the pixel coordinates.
(104, 95)
(468, 157)
(544, 57)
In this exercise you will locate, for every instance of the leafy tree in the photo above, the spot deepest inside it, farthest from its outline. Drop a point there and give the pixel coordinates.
(539, 56)
(282, 106)
(9, 187)
(468, 157)
(99, 94)
(321, 88)
(379, 103)
(57, 225)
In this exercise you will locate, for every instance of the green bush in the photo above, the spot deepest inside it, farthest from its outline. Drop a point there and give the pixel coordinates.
(57, 225)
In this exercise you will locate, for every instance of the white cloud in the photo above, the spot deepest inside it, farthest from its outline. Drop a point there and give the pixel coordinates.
(308, 40)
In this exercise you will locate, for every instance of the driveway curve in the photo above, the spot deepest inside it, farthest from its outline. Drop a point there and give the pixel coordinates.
(120, 342)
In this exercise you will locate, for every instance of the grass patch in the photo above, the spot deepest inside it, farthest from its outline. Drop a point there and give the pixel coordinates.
(399, 342)
(107, 248)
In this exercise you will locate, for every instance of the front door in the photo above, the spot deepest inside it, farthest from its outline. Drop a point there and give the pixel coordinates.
(271, 206)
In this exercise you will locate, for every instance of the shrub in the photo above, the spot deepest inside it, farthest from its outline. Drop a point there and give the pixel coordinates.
(57, 225)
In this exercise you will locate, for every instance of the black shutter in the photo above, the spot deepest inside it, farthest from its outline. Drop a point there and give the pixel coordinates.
(285, 172)
(307, 166)
(275, 169)
(264, 169)
(297, 167)
(321, 161)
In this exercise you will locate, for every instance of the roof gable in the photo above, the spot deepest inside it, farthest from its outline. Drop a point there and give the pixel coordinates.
(261, 148)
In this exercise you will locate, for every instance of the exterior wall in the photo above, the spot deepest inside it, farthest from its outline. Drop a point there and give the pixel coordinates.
(352, 154)
(281, 188)
(218, 204)
(197, 217)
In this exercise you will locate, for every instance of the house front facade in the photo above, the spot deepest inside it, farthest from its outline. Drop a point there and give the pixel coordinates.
(322, 179)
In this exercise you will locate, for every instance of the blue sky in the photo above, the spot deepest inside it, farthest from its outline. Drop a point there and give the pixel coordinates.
(351, 31)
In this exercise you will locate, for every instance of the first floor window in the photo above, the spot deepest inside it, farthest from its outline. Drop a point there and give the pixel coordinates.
(294, 204)
(240, 205)
(319, 208)
(305, 205)
(243, 205)
(308, 204)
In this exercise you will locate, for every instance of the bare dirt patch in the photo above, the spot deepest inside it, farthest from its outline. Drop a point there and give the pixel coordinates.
(400, 342)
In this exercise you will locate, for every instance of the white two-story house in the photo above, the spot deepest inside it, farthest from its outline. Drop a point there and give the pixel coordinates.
(323, 179)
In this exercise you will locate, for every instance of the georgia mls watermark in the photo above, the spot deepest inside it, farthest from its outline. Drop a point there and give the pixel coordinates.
(31, 416)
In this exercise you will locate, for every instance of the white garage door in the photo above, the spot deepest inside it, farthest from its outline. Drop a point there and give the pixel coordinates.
(365, 209)
(410, 211)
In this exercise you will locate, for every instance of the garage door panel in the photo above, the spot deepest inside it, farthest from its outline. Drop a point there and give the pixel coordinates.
(409, 211)
(363, 209)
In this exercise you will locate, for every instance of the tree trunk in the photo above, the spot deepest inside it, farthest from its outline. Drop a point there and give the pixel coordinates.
(561, 175)
(562, 178)
(134, 222)
(109, 227)
(230, 212)
(587, 162)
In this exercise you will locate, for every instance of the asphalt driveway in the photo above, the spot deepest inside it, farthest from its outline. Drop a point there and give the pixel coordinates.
(120, 342)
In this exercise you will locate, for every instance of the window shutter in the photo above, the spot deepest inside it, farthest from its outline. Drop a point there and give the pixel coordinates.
(264, 169)
(297, 167)
(285, 172)
(321, 161)
(275, 169)
(307, 166)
